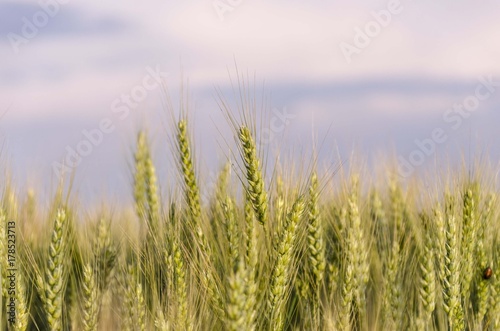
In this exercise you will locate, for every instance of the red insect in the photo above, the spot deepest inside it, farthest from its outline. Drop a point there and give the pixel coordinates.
(487, 273)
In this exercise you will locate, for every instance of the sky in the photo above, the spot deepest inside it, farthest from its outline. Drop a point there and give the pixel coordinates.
(417, 79)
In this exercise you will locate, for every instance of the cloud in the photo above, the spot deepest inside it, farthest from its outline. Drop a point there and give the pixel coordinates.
(93, 51)
(67, 21)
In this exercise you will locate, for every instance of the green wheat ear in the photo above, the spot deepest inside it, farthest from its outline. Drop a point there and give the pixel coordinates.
(181, 287)
(239, 314)
(90, 299)
(134, 309)
(427, 289)
(22, 308)
(192, 191)
(256, 190)
(192, 194)
(105, 254)
(3, 255)
(280, 279)
(251, 262)
(316, 248)
(56, 273)
(232, 231)
(359, 252)
(140, 157)
(484, 286)
(451, 286)
(145, 184)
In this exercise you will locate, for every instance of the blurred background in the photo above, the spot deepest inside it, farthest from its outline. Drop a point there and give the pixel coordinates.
(418, 80)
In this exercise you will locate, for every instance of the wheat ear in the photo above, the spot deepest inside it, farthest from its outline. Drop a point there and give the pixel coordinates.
(427, 290)
(186, 160)
(192, 194)
(251, 260)
(181, 288)
(468, 246)
(22, 308)
(105, 253)
(358, 251)
(3, 258)
(280, 278)
(145, 185)
(90, 299)
(484, 285)
(232, 232)
(56, 272)
(451, 287)
(237, 309)
(256, 190)
(316, 249)
(140, 157)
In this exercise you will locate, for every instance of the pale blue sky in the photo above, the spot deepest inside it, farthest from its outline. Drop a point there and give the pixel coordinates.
(65, 78)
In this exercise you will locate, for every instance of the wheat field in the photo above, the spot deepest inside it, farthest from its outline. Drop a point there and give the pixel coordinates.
(300, 247)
